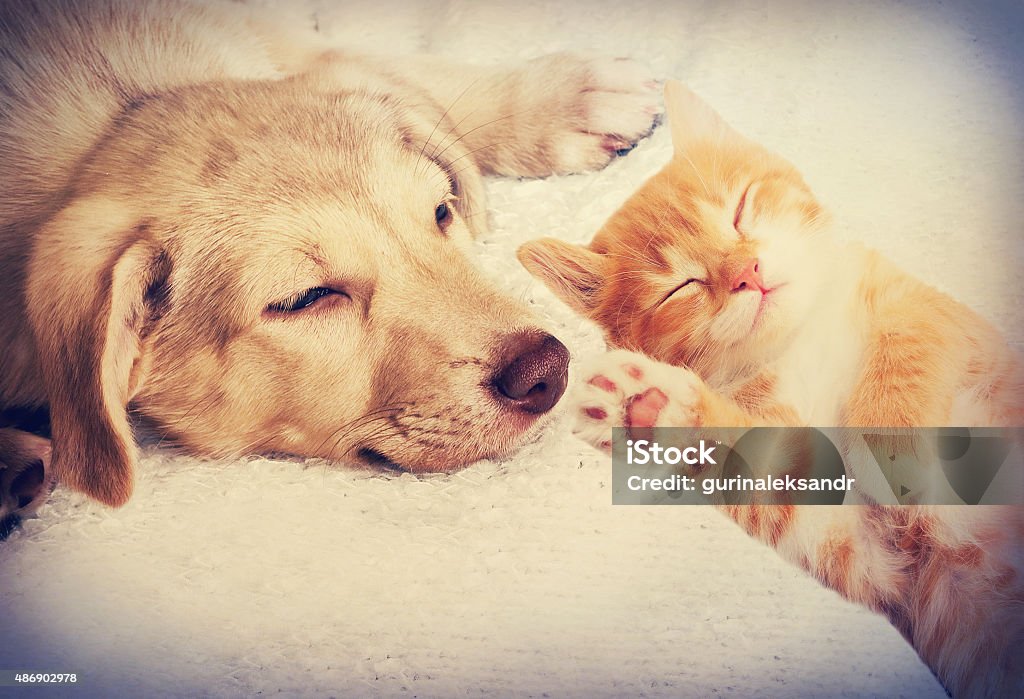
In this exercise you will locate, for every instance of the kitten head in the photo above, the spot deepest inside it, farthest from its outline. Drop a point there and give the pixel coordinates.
(711, 261)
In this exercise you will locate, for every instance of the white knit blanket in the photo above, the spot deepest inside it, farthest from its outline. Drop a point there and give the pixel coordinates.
(520, 578)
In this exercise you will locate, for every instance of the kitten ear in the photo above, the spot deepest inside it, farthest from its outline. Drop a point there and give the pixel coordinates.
(572, 272)
(691, 119)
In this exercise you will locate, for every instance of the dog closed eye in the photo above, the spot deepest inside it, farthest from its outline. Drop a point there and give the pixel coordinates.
(317, 296)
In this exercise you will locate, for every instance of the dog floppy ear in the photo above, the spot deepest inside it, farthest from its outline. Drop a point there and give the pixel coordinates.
(96, 286)
(574, 273)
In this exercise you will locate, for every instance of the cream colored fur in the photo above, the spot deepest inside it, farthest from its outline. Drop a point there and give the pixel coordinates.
(175, 171)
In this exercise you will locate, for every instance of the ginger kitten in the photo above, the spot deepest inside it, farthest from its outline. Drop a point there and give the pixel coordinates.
(720, 270)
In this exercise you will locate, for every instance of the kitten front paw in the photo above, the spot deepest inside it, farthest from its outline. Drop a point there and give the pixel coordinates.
(594, 110)
(631, 390)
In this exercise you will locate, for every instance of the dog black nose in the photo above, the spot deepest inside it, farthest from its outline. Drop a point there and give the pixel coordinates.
(535, 378)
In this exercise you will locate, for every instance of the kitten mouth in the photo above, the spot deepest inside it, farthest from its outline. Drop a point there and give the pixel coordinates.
(763, 305)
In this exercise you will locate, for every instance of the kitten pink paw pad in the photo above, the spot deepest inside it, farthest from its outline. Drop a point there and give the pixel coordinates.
(634, 371)
(626, 389)
(605, 384)
(644, 408)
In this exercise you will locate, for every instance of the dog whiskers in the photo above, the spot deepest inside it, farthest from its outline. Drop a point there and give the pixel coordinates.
(444, 114)
(367, 419)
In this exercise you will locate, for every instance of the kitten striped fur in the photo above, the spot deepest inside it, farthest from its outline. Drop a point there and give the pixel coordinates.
(730, 305)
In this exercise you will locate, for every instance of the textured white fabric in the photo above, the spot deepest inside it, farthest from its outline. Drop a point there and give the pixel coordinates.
(520, 578)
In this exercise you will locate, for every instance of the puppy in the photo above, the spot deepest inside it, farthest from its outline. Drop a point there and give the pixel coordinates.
(256, 244)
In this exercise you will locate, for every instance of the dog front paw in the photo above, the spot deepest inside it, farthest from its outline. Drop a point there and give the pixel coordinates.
(592, 110)
(627, 389)
(25, 483)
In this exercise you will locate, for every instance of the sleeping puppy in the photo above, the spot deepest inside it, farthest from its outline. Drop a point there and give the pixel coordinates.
(256, 245)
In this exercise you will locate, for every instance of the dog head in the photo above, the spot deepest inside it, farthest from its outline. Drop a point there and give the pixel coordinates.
(269, 268)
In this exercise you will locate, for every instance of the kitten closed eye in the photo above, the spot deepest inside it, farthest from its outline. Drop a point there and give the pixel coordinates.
(682, 286)
(836, 336)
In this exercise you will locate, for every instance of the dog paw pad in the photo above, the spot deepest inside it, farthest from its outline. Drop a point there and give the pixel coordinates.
(24, 481)
(617, 145)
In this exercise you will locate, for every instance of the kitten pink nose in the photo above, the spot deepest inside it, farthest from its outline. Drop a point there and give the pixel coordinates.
(749, 278)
